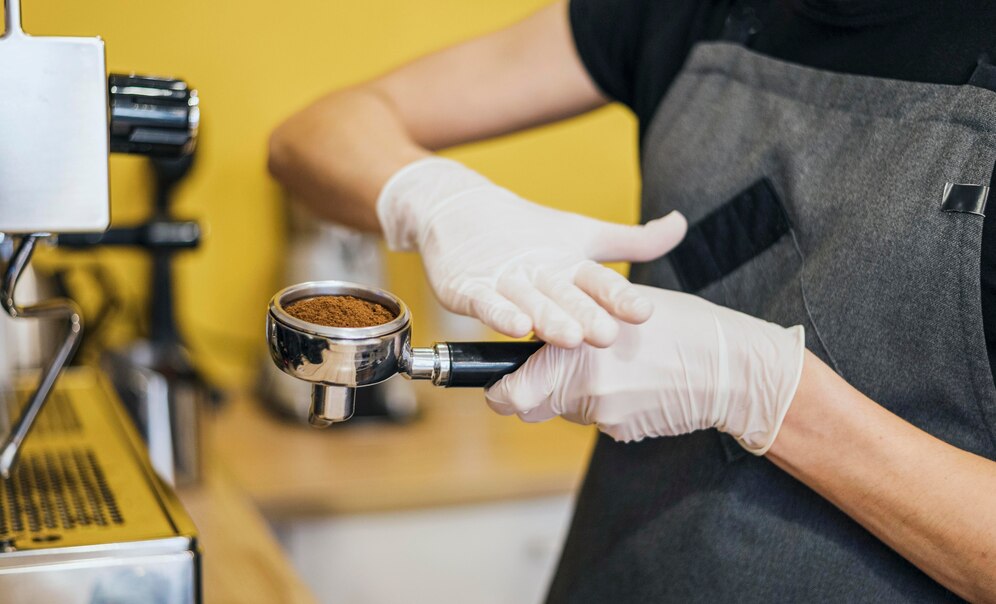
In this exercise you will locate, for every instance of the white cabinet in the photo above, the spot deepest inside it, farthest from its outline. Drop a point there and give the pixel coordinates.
(499, 553)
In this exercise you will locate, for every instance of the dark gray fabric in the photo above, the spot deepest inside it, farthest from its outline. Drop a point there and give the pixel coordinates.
(886, 284)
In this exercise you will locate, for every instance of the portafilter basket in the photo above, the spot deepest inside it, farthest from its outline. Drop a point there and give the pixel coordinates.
(337, 360)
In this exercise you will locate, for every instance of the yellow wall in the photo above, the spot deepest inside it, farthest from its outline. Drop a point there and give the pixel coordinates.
(255, 62)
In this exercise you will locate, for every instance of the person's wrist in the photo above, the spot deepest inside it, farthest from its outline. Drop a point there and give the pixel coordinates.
(825, 412)
(407, 198)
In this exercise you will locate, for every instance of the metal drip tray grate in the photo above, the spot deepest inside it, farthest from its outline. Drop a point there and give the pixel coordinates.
(54, 492)
(82, 478)
(83, 518)
(57, 417)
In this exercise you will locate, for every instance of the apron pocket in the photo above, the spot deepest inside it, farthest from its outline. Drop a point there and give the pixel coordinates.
(729, 237)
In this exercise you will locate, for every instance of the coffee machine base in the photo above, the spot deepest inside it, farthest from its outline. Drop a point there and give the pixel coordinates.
(84, 518)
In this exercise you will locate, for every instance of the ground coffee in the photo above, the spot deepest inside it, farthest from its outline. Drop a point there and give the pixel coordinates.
(340, 311)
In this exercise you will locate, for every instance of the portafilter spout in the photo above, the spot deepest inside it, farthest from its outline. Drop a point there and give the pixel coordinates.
(331, 404)
(339, 359)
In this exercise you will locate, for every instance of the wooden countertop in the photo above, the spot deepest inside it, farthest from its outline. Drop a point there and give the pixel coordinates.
(243, 563)
(457, 451)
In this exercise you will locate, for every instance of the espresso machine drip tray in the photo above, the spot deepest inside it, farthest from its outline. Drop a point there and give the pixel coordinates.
(83, 507)
(55, 494)
(60, 416)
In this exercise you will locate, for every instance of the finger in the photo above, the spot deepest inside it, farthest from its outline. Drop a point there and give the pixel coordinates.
(500, 407)
(528, 387)
(599, 328)
(621, 433)
(614, 293)
(540, 413)
(497, 312)
(620, 242)
(550, 322)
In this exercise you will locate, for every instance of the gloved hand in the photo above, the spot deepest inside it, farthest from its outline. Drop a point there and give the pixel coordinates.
(693, 365)
(515, 265)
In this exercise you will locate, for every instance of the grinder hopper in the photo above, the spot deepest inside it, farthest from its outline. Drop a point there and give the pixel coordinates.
(339, 359)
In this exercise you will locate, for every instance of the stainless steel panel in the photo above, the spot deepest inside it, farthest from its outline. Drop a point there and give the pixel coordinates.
(53, 132)
(167, 578)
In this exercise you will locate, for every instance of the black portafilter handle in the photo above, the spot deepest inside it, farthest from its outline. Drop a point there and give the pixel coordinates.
(481, 364)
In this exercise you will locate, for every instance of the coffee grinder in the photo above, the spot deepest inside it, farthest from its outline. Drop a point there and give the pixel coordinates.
(159, 385)
(83, 516)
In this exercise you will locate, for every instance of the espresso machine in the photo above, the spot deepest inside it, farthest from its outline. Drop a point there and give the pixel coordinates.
(84, 518)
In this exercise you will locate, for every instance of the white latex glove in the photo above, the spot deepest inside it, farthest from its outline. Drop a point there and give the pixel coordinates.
(693, 365)
(515, 265)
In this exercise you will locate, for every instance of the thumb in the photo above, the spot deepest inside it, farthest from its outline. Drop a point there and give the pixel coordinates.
(640, 243)
(527, 387)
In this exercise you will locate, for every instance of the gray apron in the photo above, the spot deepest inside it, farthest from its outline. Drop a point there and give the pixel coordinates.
(818, 199)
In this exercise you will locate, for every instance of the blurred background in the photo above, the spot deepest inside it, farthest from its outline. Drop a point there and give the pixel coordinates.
(256, 62)
(454, 504)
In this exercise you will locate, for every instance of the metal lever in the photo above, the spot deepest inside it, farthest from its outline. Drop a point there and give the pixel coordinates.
(12, 14)
(54, 308)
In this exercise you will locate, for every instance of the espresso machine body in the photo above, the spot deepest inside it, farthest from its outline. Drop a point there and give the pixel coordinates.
(84, 518)
(54, 120)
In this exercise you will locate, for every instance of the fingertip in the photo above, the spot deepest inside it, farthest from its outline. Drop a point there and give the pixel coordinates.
(511, 323)
(667, 231)
(500, 408)
(676, 216)
(520, 325)
(636, 309)
(537, 414)
(564, 335)
(621, 433)
(674, 221)
(603, 334)
(497, 397)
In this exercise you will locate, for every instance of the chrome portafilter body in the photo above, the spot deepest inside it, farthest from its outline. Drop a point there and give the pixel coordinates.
(337, 360)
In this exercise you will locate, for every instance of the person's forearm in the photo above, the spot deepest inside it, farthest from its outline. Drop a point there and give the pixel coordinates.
(931, 502)
(337, 154)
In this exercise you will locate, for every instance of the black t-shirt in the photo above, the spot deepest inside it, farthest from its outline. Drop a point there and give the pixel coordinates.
(633, 49)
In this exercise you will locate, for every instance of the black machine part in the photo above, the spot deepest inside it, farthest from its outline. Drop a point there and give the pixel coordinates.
(153, 116)
(161, 388)
(156, 234)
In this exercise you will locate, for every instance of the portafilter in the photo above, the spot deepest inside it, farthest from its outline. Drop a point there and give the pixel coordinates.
(337, 360)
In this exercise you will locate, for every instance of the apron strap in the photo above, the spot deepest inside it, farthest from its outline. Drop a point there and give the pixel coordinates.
(744, 21)
(984, 75)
